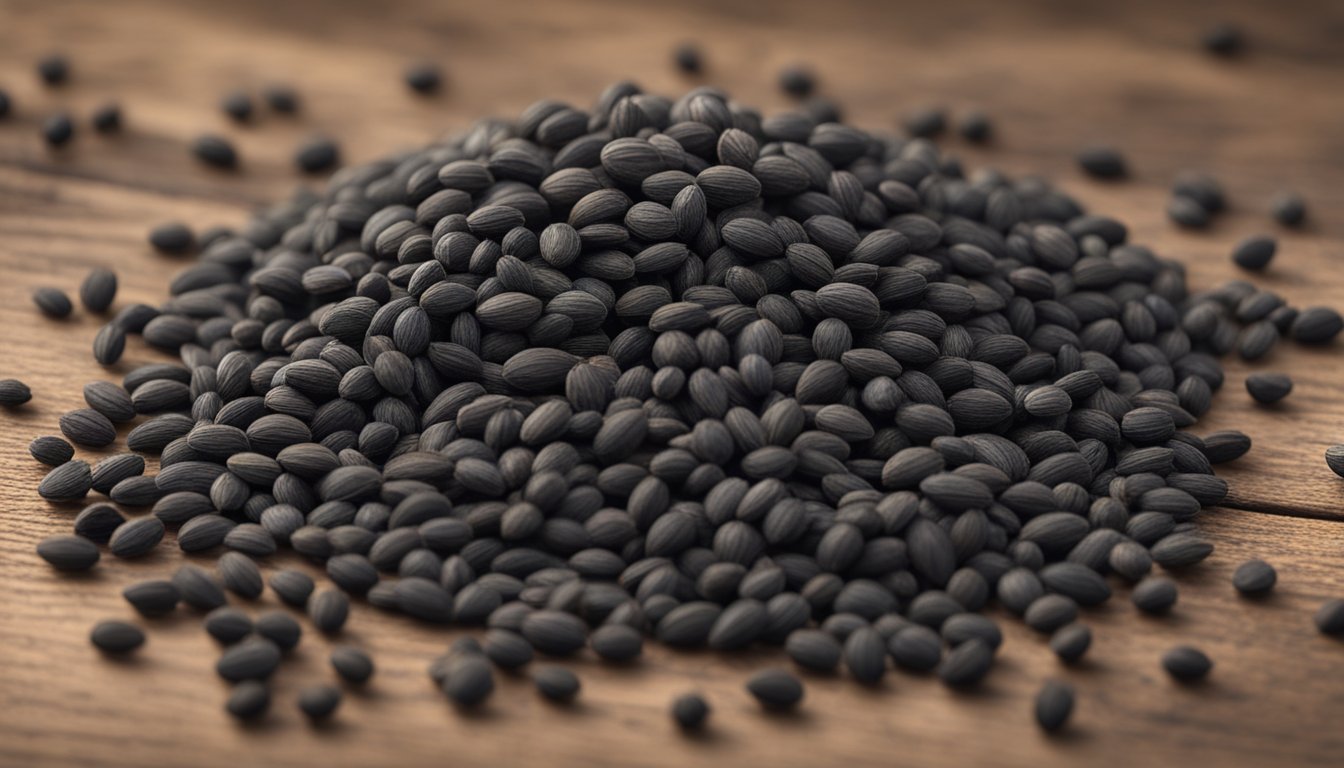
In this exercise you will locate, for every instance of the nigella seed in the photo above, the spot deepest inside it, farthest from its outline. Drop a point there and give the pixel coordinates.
(198, 588)
(14, 392)
(53, 302)
(617, 642)
(776, 689)
(1288, 208)
(172, 238)
(51, 450)
(228, 625)
(469, 680)
(423, 78)
(1155, 595)
(967, 664)
(317, 154)
(1254, 578)
(98, 289)
(1268, 387)
(1254, 253)
(1054, 704)
(58, 129)
(152, 598)
(254, 659)
(1329, 618)
(556, 684)
(88, 428)
(1186, 664)
(1070, 642)
(68, 553)
(240, 575)
(1180, 550)
(116, 637)
(68, 482)
(319, 702)
(813, 649)
(215, 151)
(1103, 163)
(328, 610)
(352, 664)
(248, 700)
(97, 522)
(292, 587)
(136, 538)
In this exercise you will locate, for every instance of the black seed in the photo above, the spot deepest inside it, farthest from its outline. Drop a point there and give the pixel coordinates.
(966, 665)
(215, 151)
(1268, 387)
(976, 127)
(1054, 704)
(319, 702)
(254, 659)
(1254, 253)
(470, 681)
(136, 538)
(53, 302)
(173, 238)
(68, 553)
(98, 290)
(1187, 212)
(1180, 550)
(152, 598)
(776, 689)
(228, 625)
(688, 58)
(292, 587)
(1329, 617)
(317, 154)
(237, 105)
(1155, 595)
(1254, 577)
(352, 664)
(328, 610)
(281, 98)
(116, 637)
(797, 81)
(1316, 325)
(54, 69)
(1224, 39)
(198, 588)
(51, 450)
(690, 710)
(1103, 163)
(1071, 642)
(68, 482)
(1186, 664)
(58, 129)
(1288, 208)
(556, 684)
(423, 78)
(248, 700)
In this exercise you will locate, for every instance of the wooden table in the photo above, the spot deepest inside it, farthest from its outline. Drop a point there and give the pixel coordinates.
(1054, 75)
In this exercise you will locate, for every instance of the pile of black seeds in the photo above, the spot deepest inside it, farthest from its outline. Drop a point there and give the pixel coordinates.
(671, 370)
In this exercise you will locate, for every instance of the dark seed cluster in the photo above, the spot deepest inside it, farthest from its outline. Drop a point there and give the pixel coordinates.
(667, 369)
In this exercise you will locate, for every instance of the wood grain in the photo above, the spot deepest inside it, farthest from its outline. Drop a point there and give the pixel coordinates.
(1055, 75)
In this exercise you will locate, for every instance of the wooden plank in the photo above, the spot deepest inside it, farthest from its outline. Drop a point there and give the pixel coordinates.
(1271, 699)
(1054, 75)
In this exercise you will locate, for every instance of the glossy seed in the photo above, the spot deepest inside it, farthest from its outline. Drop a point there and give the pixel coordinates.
(319, 702)
(1186, 664)
(775, 689)
(1054, 705)
(116, 637)
(556, 684)
(1254, 577)
(68, 553)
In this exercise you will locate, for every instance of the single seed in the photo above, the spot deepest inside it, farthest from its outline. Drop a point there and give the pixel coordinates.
(690, 710)
(53, 302)
(1103, 163)
(423, 78)
(1186, 664)
(1329, 617)
(58, 130)
(68, 553)
(556, 684)
(248, 700)
(319, 702)
(1254, 577)
(1054, 704)
(116, 637)
(1254, 253)
(776, 689)
(1268, 387)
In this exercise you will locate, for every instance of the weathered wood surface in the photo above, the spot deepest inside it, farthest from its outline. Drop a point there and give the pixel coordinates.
(1054, 75)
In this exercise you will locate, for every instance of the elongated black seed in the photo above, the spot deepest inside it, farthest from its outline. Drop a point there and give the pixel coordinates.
(1155, 595)
(14, 392)
(254, 659)
(1054, 704)
(423, 78)
(1254, 253)
(248, 700)
(51, 450)
(173, 238)
(688, 58)
(557, 684)
(68, 553)
(1103, 162)
(215, 151)
(152, 598)
(98, 290)
(352, 664)
(328, 609)
(319, 702)
(317, 155)
(1254, 577)
(1329, 617)
(237, 105)
(1186, 664)
(53, 302)
(1268, 387)
(1071, 642)
(1224, 39)
(1289, 209)
(776, 689)
(116, 637)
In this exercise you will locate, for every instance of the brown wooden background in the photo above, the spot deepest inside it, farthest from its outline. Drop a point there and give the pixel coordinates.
(1054, 74)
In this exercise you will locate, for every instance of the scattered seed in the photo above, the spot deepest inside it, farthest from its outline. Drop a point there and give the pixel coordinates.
(1103, 163)
(556, 683)
(690, 710)
(248, 700)
(1254, 253)
(58, 129)
(51, 450)
(116, 637)
(1289, 209)
(1054, 704)
(1254, 577)
(215, 151)
(1329, 617)
(173, 238)
(319, 702)
(68, 553)
(775, 689)
(107, 118)
(688, 58)
(1186, 664)
(423, 78)
(352, 664)
(1224, 39)
(53, 302)
(1071, 642)
(1268, 387)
